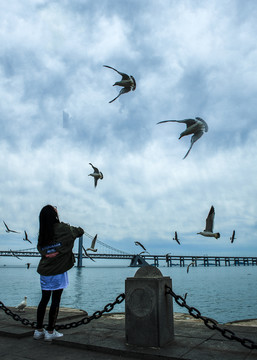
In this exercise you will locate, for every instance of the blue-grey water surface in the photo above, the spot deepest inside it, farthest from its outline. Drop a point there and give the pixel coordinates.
(222, 293)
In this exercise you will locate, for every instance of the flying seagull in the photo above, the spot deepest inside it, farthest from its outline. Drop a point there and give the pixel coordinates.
(208, 231)
(233, 237)
(195, 126)
(96, 174)
(191, 264)
(143, 252)
(176, 238)
(92, 246)
(26, 237)
(13, 254)
(9, 230)
(139, 244)
(87, 255)
(22, 305)
(128, 83)
(167, 257)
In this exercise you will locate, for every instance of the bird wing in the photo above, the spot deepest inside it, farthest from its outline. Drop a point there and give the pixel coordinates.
(95, 168)
(194, 138)
(87, 254)
(188, 122)
(138, 243)
(26, 236)
(233, 236)
(204, 122)
(95, 179)
(93, 242)
(210, 220)
(122, 91)
(124, 76)
(6, 226)
(134, 83)
(15, 255)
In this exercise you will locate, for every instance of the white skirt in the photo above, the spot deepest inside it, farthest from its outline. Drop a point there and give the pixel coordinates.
(54, 282)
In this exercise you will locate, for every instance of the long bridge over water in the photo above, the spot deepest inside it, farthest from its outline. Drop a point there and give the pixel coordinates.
(156, 260)
(141, 259)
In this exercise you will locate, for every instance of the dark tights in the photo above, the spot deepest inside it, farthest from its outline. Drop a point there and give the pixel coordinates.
(54, 308)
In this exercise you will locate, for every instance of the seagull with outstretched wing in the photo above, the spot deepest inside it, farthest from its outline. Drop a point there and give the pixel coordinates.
(92, 246)
(26, 237)
(127, 82)
(195, 126)
(96, 174)
(9, 230)
(87, 255)
(208, 231)
(13, 254)
(188, 266)
(233, 237)
(167, 257)
(137, 243)
(176, 238)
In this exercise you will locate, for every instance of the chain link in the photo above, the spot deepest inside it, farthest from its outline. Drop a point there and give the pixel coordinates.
(210, 323)
(96, 315)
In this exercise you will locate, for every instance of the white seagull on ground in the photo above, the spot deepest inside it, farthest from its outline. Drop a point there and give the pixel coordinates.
(22, 305)
(208, 231)
(96, 174)
(195, 126)
(128, 83)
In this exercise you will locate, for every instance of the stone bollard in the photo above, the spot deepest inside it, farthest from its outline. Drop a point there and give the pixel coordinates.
(148, 310)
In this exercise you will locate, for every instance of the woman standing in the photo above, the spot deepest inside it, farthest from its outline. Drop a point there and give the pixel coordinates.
(55, 243)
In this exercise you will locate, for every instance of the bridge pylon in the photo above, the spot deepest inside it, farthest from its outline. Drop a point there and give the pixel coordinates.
(80, 252)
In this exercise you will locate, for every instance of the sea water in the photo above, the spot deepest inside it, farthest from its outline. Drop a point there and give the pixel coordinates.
(226, 293)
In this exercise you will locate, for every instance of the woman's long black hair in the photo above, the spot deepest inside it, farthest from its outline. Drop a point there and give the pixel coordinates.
(47, 218)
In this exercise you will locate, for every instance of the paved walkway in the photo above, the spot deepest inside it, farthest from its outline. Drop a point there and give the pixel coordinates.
(104, 338)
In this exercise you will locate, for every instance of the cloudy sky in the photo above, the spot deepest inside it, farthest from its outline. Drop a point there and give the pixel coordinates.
(189, 58)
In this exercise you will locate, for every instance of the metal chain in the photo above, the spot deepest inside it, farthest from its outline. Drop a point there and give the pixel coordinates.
(210, 323)
(96, 315)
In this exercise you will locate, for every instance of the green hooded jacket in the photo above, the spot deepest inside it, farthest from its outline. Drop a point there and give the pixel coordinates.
(58, 257)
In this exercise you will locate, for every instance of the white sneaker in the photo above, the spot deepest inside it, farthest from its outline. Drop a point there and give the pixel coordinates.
(54, 335)
(39, 334)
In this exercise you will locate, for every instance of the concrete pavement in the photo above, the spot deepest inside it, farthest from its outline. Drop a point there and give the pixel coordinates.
(104, 338)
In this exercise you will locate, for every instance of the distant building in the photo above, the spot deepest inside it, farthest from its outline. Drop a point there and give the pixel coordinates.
(66, 120)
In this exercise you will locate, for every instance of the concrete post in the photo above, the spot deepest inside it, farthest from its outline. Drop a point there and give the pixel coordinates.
(80, 251)
(148, 310)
